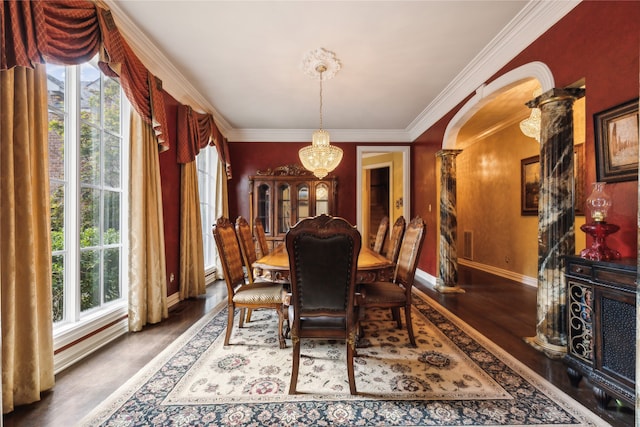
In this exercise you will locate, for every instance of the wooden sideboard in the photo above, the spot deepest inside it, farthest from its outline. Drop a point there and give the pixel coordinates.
(601, 311)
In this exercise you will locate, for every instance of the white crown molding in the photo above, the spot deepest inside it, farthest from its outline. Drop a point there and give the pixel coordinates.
(533, 21)
(173, 81)
(304, 135)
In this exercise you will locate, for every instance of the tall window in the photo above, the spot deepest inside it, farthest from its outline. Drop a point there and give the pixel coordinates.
(87, 160)
(210, 204)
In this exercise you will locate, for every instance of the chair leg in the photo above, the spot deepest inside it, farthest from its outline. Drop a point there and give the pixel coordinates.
(249, 311)
(230, 309)
(351, 350)
(241, 320)
(296, 364)
(407, 314)
(396, 316)
(283, 343)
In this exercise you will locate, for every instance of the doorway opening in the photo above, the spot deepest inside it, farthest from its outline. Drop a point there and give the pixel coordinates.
(379, 197)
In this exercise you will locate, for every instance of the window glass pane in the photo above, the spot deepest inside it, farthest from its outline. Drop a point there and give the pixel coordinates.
(112, 106)
(89, 217)
(264, 207)
(56, 85)
(111, 218)
(303, 202)
(111, 274)
(90, 93)
(57, 216)
(284, 208)
(112, 161)
(89, 155)
(57, 264)
(322, 199)
(89, 279)
(56, 145)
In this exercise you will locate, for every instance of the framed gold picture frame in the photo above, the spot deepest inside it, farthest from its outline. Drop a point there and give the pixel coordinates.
(616, 142)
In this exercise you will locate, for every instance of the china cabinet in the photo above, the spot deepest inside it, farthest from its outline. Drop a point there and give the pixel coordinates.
(601, 343)
(282, 196)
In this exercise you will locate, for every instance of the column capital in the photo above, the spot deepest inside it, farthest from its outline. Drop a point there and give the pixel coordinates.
(556, 95)
(445, 153)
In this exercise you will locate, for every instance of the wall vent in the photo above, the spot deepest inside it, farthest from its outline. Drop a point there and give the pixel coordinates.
(467, 247)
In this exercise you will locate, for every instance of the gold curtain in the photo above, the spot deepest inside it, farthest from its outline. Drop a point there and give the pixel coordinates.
(192, 281)
(25, 237)
(147, 263)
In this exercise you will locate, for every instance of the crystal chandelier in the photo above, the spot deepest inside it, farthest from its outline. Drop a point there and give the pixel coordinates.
(320, 157)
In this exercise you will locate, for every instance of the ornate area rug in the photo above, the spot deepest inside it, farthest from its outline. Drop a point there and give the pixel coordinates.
(454, 377)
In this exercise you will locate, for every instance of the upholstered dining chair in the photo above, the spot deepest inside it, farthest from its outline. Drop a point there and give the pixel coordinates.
(323, 253)
(241, 294)
(397, 293)
(395, 239)
(261, 237)
(381, 235)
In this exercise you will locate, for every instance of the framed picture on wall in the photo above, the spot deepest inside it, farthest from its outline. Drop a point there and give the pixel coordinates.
(616, 142)
(530, 183)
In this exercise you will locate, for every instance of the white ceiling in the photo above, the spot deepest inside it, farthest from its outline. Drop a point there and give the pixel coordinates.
(404, 63)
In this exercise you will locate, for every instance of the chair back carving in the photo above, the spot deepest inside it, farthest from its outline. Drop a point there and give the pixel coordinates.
(410, 253)
(381, 235)
(261, 237)
(247, 246)
(230, 256)
(395, 239)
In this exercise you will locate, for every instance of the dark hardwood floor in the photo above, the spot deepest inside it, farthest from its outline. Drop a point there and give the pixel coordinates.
(502, 310)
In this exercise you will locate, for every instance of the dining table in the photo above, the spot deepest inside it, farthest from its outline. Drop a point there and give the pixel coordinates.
(372, 266)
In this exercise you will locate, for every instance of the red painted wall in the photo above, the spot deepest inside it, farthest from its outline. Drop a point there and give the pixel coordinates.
(170, 178)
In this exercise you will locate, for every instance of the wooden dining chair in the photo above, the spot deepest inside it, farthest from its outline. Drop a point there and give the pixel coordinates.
(323, 255)
(381, 235)
(397, 293)
(241, 294)
(395, 239)
(248, 249)
(261, 237)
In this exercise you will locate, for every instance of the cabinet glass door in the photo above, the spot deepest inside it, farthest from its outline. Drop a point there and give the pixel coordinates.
(303, 202)
(322, 199)
(284, 208)
(264, 207)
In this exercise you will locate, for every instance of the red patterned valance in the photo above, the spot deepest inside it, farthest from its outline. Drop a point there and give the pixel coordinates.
(34, 32)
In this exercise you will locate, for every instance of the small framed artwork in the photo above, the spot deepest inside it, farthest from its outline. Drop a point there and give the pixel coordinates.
(530, 181)
(616, 142)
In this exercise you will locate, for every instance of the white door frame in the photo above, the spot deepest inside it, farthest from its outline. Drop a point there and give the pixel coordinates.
(361, 151)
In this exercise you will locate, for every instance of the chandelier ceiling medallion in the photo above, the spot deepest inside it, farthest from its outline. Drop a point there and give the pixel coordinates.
(320, 157)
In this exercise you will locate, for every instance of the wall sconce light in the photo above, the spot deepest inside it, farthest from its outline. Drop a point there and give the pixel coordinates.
(598, 205)
(531, 125)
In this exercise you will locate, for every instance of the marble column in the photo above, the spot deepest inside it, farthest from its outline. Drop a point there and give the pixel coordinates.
(448, 269)
(556, 215)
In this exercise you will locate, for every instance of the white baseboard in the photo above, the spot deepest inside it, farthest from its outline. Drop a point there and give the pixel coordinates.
(516, 277)
(428, 280)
